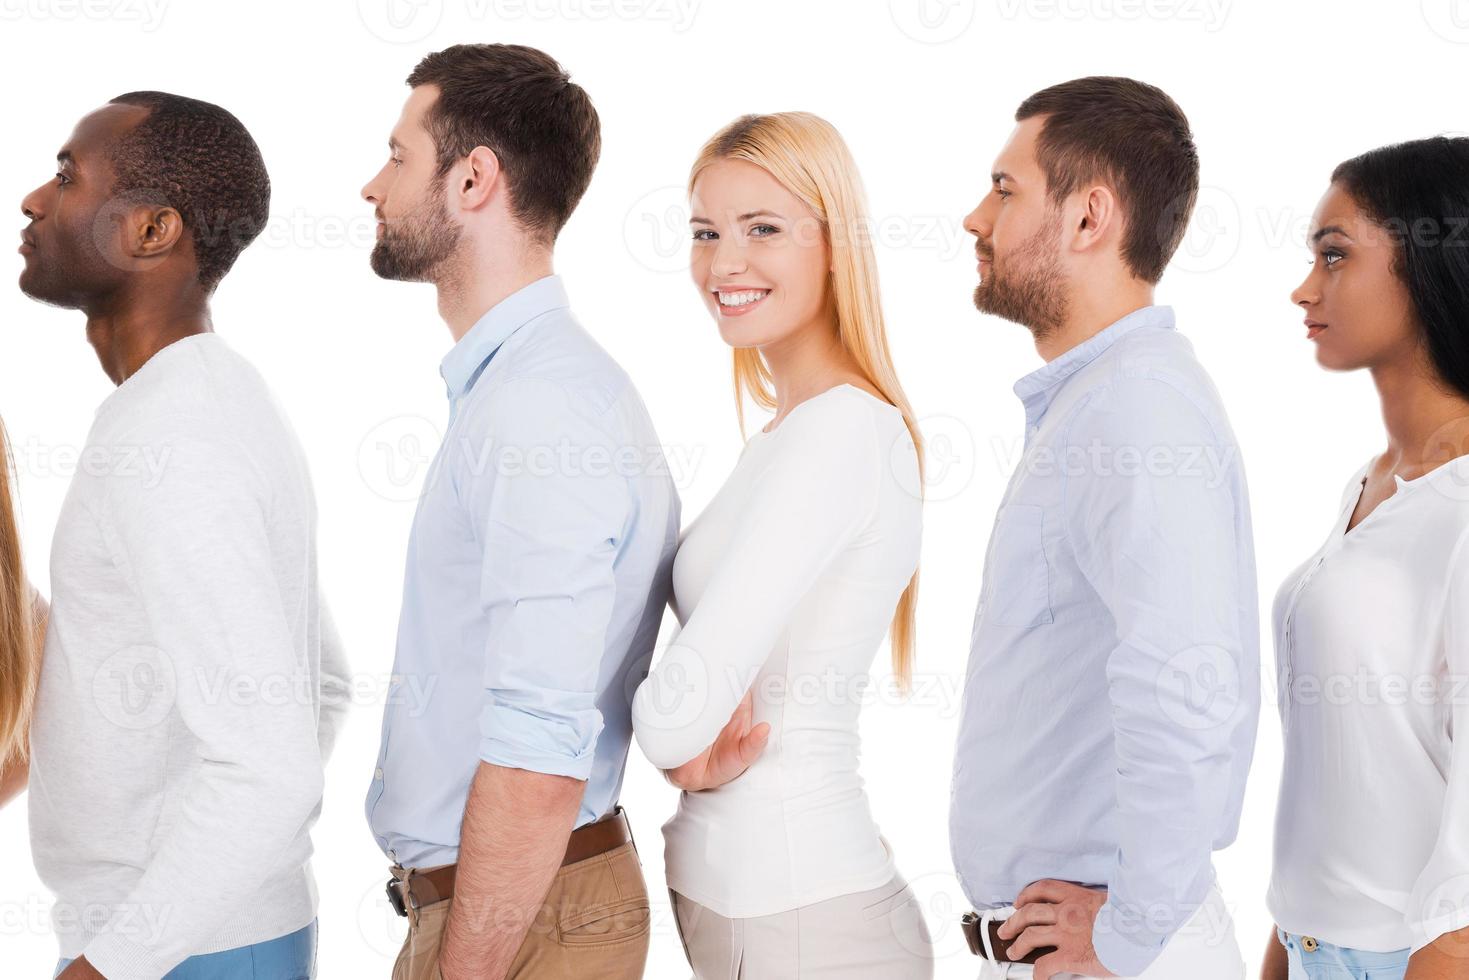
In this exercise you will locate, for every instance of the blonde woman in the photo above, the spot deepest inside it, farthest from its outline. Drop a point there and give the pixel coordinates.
(787, 582)
(22, 615)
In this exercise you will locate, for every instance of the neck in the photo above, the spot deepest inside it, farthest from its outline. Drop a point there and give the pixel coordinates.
(1089, 314)
(806, 362)
(126, 333)
(1427, 423)
(467, 294)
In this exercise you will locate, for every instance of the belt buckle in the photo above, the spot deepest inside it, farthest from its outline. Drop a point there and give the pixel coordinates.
(395, 899)
(969, 925)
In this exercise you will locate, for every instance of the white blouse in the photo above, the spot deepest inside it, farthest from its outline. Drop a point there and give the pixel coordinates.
(788, 581)
(1372, 645)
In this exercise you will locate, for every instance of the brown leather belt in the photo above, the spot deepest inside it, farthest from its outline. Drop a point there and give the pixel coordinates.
(420, 889)
(1001, 947)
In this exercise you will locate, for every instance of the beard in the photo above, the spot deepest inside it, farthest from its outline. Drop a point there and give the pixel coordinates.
(417, 246)
(1029, 291)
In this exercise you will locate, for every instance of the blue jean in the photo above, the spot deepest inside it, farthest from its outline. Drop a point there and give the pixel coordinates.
(290, 957)
(1329, 961)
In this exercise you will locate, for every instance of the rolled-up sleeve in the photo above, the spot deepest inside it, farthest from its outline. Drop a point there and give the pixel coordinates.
(549, 507)
(1439, 903)
(1153, 514)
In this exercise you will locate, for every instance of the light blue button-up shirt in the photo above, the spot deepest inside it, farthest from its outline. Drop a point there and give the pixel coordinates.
(1112, 696)
(538, 568)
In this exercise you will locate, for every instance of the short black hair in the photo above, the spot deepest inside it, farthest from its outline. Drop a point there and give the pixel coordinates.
(1135, 137)
(521, 104)
(199, 160)
(1419, 192)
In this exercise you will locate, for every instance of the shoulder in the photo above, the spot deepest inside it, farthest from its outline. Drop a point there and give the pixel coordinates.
(552, 375)
(843, 417)
(1159, 406)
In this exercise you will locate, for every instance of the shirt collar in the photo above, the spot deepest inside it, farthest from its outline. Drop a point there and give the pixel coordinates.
(1039, 387)
(467, 358)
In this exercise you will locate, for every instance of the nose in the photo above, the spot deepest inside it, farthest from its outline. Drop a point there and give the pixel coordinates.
(30, 205)
(729, 258)
(978, 222)
(1307, 293)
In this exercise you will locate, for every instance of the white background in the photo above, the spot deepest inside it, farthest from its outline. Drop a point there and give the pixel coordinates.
(924, 93)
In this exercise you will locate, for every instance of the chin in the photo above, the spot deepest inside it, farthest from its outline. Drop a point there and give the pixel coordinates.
(1334, 361)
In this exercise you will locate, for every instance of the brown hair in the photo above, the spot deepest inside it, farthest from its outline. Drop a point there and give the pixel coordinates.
(521, 104)
(1134, 137)
(18, 653)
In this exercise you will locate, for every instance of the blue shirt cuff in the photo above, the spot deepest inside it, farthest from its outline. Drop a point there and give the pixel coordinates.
(1115, 937)
(555, 746)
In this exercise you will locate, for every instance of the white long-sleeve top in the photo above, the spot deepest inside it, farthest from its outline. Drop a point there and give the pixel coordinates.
(787, 581)
(192, 683)
(1372, 645)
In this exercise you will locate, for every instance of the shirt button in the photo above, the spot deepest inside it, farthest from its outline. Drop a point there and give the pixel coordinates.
(378, 774)
(1308, 944)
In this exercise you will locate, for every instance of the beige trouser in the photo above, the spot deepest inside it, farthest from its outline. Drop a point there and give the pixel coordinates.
(872, 935)
(593, 923)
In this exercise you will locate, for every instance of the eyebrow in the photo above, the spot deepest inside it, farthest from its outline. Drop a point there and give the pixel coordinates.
(1329, 229)
(65, 157)
(393, 144)
(999, 176)
(762, 212)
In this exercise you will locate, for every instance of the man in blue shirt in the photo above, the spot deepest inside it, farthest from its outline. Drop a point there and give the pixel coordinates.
(539, 560)
(1112, 695)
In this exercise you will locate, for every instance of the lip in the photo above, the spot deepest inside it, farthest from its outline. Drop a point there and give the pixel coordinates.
(1313, 328)
(739, 310)
(27, 244)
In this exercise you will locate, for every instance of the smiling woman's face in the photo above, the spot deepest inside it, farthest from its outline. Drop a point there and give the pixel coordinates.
(1358, 311)
(759, 258)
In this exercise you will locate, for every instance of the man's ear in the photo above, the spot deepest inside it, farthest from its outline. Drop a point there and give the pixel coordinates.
(1095, 219)
(477, 178)
(152, 231)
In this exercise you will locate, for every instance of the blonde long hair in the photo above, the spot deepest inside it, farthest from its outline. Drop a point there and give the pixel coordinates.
(18, 653)
(809, 158)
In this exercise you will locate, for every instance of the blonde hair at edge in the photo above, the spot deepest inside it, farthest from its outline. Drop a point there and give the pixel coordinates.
(17, 641)
(808, 157)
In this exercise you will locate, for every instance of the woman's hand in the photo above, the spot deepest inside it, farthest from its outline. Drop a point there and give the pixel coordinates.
(735, 748)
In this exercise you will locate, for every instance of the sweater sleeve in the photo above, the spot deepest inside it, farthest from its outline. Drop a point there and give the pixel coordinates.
(817, 491)
(335, 687)
(1439, 902)
(194, 545)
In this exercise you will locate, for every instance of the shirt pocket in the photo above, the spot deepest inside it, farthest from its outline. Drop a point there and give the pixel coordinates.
(1017, 578)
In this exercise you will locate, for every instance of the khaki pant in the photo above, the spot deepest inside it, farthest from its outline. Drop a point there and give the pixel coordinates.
(593, 923)
(872, 935)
